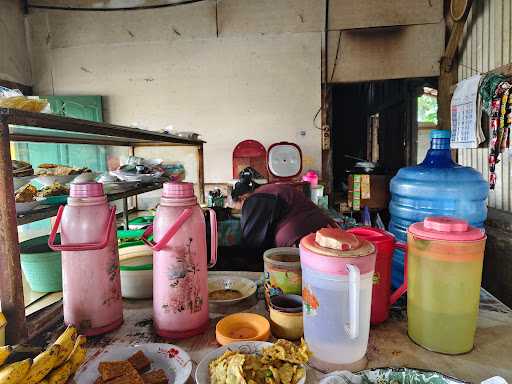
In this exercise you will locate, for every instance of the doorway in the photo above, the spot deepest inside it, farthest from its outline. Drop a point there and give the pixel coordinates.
(377, 122)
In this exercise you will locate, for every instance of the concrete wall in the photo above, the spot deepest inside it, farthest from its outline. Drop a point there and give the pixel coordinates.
(14, 58)
(168, 67)
(229, 70)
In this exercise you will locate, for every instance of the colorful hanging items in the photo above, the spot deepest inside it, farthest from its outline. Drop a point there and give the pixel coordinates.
(499, 126)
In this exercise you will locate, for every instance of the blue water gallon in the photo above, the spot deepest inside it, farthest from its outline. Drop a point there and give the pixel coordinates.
(436, 187)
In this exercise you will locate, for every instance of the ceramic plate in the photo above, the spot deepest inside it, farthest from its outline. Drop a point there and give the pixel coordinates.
(202, 373)
(173, 360)
(245, 286)
(406, 376)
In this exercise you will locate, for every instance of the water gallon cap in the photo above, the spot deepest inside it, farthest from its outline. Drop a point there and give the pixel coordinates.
(89, 189)
(446, 228)
(440, 134)
(335, 242)
(178, 190)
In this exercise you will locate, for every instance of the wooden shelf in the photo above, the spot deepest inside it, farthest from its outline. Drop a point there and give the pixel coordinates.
(17, 125)
(76, 131)
(50, 211)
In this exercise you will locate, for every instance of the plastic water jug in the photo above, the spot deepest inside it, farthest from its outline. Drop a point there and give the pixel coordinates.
(445, 271)
(90, 260)
(436, 187)
(337, 273)
(382, 297)
(180, 271)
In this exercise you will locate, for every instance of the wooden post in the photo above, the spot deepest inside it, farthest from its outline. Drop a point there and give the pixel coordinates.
(11, 285)
(448, 70)
(200, 172)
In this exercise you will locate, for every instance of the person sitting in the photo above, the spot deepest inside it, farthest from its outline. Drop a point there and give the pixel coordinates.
(275, 215)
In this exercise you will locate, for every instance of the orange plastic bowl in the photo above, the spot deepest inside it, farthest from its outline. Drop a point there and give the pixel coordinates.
(242, 327)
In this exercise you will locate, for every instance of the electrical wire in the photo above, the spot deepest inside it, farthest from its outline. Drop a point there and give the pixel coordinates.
(134, 8)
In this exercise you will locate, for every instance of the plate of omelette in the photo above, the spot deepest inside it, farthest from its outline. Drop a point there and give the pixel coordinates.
(255, 362)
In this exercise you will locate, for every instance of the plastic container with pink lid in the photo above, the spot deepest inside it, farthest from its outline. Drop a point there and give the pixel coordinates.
(445, 259)
(337, 274)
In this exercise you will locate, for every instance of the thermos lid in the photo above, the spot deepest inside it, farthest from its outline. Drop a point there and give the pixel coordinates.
(446, 228)
(89, 189)
(178, 190)
(335, 242)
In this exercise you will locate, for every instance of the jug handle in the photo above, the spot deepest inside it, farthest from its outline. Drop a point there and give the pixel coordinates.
(354, 288)
(185, 215)
(213, 238)
(403, 288)
(83, 246)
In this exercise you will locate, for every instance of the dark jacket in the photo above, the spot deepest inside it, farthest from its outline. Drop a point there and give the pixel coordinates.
(278, 215)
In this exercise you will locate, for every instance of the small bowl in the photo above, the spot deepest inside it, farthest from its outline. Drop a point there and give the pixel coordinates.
(242, 327)
(286, 325)
(246, 287)
(287, 303)
(136, 268)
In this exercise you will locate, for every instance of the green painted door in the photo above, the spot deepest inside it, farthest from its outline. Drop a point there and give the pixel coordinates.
(77, 155)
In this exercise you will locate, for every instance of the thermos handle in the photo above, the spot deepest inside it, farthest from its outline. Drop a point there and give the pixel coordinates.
(354, 288)
(403, 288)
(83, 246)
(213, 238)
(185, 215)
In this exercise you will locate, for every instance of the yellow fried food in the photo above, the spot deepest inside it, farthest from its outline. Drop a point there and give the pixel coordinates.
(279, 364)
(285, 350)
(25, 194)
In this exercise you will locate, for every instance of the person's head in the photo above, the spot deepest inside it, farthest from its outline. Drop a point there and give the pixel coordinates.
(241, 192)
(243, 189)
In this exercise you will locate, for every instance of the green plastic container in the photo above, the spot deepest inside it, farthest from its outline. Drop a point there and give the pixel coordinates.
(42, 266)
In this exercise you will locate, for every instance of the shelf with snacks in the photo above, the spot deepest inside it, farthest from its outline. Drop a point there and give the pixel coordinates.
(32, 127)
(45, 211)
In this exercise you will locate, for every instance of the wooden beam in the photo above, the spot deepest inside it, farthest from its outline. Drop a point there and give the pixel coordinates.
(448, 73)
(200, 173)
(11, 286)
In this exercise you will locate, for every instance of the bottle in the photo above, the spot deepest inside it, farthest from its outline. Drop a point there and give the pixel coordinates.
(180, 270)
(436, 187)
(90, 260)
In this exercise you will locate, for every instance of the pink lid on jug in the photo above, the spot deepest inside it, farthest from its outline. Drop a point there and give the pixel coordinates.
(329, 250)
(89, 189)
(178, 190)
(446, 228)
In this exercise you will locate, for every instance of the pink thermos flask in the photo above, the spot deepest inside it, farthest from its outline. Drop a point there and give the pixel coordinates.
(180, 270)
(90, 260)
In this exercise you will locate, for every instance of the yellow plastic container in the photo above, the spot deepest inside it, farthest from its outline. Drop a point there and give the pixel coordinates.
(3, 324)
(445, 258)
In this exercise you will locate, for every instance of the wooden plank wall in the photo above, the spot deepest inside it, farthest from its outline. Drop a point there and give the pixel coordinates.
(487, 44)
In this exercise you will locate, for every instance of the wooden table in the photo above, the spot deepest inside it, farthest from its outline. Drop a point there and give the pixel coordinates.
(389, 344)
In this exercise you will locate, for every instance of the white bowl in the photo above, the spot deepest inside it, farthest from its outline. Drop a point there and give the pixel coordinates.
(137, 282)
(245, 286)
(248, 347)
(173, 360)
